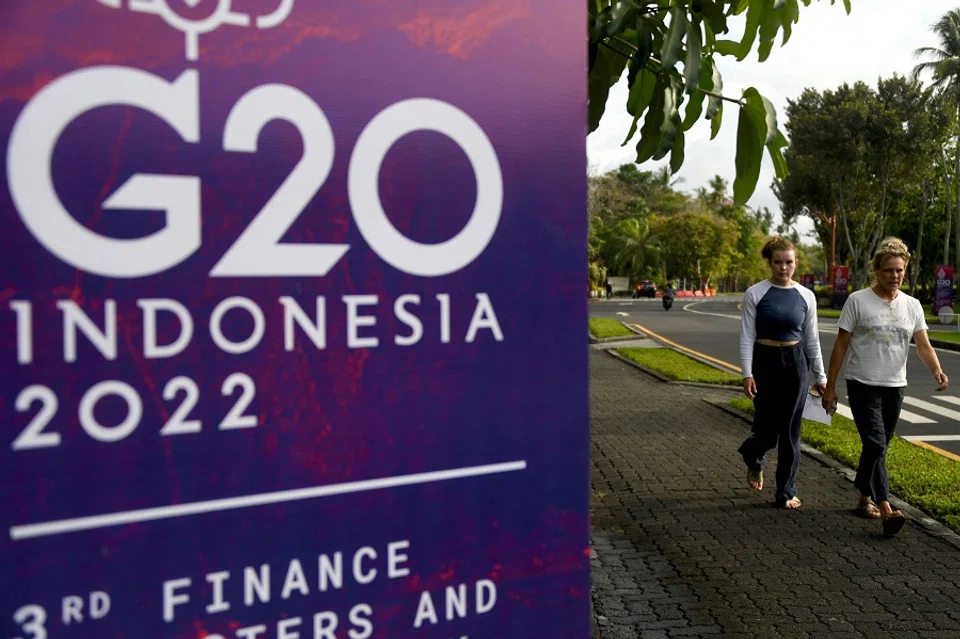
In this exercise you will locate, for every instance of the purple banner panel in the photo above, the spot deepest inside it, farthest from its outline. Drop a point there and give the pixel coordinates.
(292, 318)
(943, 287)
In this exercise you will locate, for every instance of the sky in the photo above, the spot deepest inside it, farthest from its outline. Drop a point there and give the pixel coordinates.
(826, 49)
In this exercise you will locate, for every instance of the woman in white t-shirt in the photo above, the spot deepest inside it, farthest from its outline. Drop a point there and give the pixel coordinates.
(876, 326)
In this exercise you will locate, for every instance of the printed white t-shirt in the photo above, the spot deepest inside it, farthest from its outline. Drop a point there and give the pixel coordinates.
(880, 333)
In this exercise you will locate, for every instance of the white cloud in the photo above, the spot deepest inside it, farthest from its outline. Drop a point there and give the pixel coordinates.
(826, 49)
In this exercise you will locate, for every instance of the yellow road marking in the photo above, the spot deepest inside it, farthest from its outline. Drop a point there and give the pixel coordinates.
(718, 362)
(936, 449)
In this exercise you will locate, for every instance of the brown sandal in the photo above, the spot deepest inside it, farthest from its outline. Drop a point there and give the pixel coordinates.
(867, 509)
(892, 523)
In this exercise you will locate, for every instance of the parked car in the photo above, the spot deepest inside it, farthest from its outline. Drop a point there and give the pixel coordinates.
(646, 288)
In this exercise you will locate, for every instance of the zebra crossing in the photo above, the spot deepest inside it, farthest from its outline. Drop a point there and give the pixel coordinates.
(938, 409)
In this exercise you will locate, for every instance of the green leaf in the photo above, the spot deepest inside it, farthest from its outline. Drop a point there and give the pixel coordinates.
(644, 50)
(775, 148)
(777, 4)
(736, 8)
(673, 42)
(755, 14)
(789, 16)
(639, 99)
(640, 94)
(691, 65)
(715, 122)
(593, 8)
(761, 109)
(694, 107)
(846, 5)
(770, 119)
(752, 135)
(716, 86)
(671, 117)
(606, 71)
(650, 132)
(768, 32)
(621, 13)
(727, 47)
(713, 13)
(676, 156)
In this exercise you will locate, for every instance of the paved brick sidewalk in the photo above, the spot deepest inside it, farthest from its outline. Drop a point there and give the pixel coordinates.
(684, 549)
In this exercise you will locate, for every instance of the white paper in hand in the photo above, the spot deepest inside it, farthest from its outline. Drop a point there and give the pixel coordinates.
(813, 410)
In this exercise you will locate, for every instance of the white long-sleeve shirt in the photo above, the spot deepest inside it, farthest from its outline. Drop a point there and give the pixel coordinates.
(784, 314)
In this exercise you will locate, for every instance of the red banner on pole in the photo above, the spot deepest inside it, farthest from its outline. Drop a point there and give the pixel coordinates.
(839, 279)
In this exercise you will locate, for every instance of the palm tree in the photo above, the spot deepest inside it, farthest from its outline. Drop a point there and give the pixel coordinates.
(636, 251)
(944, 62)
(944, 65)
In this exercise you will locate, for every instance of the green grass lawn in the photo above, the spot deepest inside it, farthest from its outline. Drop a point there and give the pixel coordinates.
(947, 337)
(919, 476)
(679, 367)
(602, 327)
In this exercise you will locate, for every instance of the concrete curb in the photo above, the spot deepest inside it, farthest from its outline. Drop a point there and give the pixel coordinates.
(925, 521)
(667, 380)
(690, 355)
(606, 340)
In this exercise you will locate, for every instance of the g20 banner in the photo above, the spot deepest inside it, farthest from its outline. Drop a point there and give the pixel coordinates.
(942, 287)
(292, 318)
(840, 278)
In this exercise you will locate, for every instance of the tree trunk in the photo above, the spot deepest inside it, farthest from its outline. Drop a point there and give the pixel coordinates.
(917, 253)
(853, 255)
(877, 234)
(946, 234)
(956, 221)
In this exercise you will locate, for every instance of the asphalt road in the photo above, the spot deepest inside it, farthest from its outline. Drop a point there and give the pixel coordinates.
(712, 327)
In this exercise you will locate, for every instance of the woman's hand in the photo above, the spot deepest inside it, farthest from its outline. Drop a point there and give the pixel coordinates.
(749, 387)
(828, 397)
(942, 380)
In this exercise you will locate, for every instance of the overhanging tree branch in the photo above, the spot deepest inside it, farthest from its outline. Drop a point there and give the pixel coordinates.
(659, 69)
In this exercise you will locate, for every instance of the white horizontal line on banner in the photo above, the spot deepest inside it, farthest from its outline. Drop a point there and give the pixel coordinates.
(61, 526)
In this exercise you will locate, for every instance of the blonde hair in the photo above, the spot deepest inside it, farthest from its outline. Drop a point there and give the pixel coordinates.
(777, 243)
(890, 247)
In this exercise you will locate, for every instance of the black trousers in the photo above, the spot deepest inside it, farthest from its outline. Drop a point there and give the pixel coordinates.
(876, 410)
(782, 377)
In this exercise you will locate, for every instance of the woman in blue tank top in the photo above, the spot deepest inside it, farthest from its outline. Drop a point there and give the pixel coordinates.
(779, 348)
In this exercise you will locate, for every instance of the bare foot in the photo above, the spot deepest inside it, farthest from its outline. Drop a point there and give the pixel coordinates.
(792, 504)
(755, 479)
